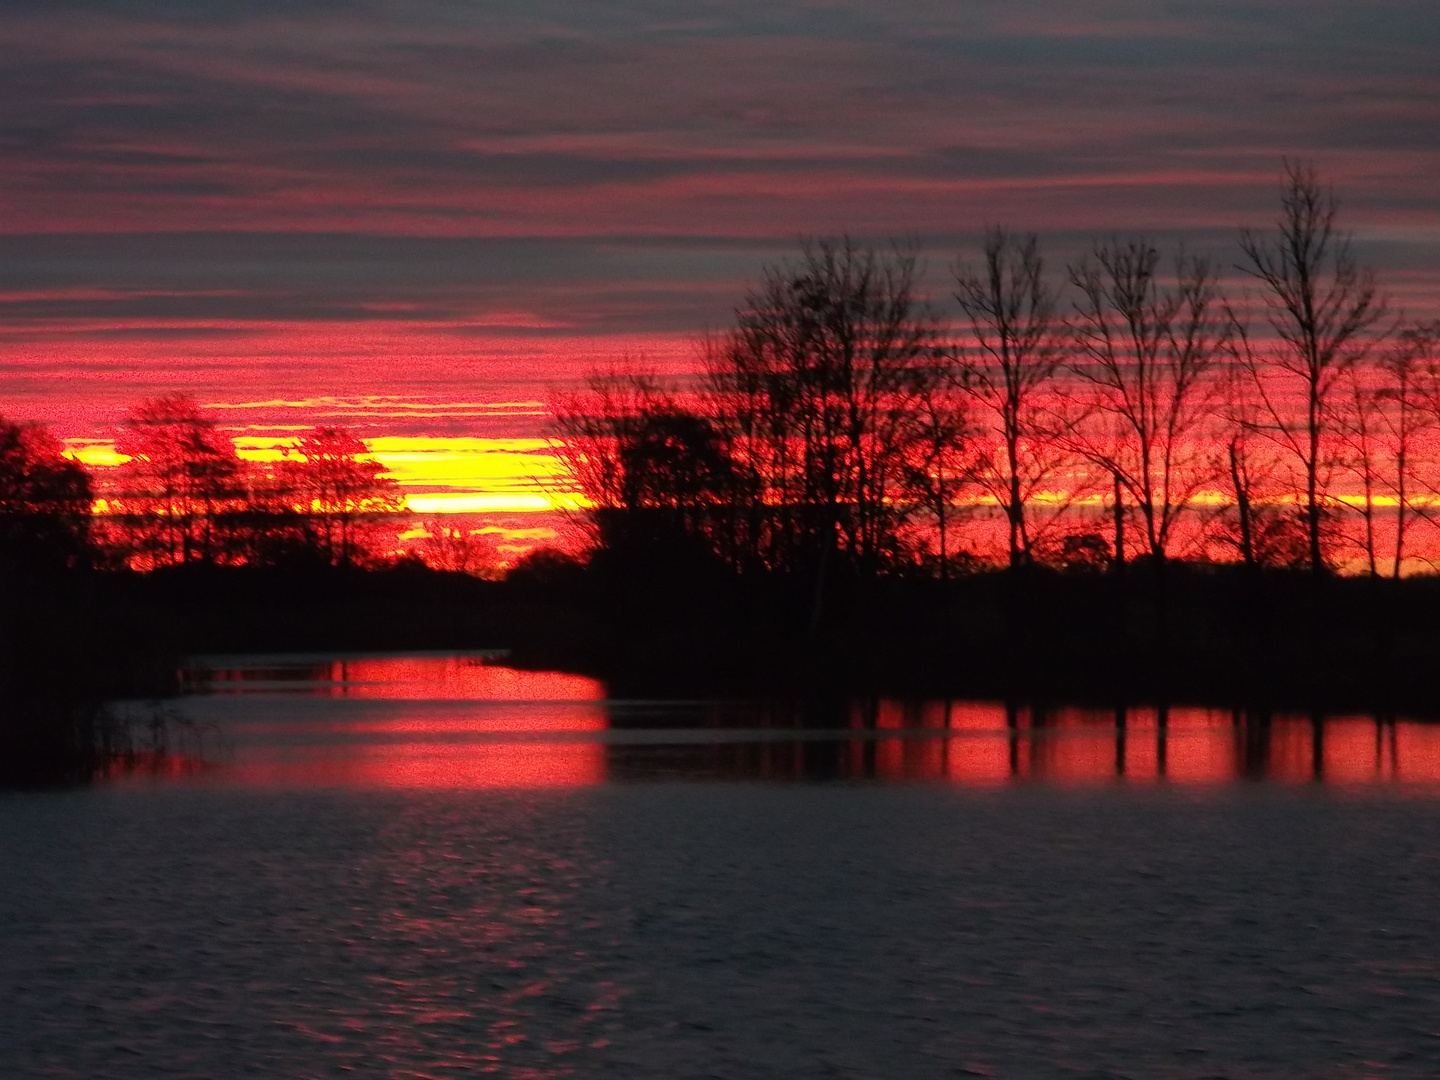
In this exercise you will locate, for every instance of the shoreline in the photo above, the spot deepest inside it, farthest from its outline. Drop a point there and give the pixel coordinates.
(1202, 636)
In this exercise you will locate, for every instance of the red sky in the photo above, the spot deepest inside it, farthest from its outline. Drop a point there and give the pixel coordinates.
(424, 218)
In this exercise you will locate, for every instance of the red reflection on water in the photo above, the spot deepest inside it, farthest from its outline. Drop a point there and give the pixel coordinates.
(979, 755)
(450, 722)
(419, 722)
(1071, 746)
(1201, 746)
(1291, 751)
(1415, 751)
(451, 678)
(432, 765)
(455, 679)
(1140, 745)
(985, 743)
(1349, 753)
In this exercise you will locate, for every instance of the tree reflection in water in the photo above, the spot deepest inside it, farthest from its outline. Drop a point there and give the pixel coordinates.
(434, 721)
(989, 743)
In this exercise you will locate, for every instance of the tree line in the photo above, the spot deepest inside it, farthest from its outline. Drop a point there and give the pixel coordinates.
(1129, 405)
(185, 496)
(1133, 405)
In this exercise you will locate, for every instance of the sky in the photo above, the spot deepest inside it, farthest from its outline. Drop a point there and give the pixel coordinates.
(426, 219)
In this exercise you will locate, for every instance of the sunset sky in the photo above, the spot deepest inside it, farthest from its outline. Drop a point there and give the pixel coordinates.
(424, 219)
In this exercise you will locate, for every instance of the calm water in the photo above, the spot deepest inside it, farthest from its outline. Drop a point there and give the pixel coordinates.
(430, 866)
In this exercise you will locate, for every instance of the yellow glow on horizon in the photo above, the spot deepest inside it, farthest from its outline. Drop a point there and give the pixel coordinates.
(436, 474)
(94, 453)
(468, 475)
(474, 475)
(461, 502)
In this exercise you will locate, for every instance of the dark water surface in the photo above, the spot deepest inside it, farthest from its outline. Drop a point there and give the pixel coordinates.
(393, 876)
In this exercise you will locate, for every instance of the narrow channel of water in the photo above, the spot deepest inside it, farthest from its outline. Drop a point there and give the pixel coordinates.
(470, 721)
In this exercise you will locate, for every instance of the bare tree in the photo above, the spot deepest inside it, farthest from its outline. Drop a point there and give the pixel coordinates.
(458, 548)
(1147, 352)
(1239, 469)
(183, 478)
(343, 489)
(590, 429)
(819, 385)
(1260, 525)
(940, 469)
(1410, 393)
(1322, 307)
(45, 501)
(655, 474)
(1361, 431)
(1014, 355)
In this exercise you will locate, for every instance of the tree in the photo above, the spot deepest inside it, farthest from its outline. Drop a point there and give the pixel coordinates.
(591, 429)
(818, 388)
(1147, 353)
(941, 465)
(457, 548)
(1362, 431)
(1260, 525)
(1014, 357)
(1322, 307)
(657, 476)
(45, 501)
(343, 490)
(1411, 389)
(183, 477)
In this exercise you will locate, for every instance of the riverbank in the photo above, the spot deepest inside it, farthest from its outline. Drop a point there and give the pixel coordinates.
(1187, 634)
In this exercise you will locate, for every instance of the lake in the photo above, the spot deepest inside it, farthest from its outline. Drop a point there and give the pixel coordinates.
(429, 866)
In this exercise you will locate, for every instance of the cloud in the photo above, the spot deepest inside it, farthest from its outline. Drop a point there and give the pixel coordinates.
(199, 189)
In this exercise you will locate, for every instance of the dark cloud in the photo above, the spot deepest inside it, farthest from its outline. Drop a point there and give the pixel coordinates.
(553, 167)
(177, 12)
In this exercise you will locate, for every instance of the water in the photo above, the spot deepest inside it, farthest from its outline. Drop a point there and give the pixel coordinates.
(390, 871)
(442, 721)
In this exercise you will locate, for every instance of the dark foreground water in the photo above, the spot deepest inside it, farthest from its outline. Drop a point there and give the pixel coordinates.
(394, 890)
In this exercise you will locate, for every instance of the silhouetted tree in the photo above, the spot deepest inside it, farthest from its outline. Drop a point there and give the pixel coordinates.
(591, 429)
(1322, 307)
(457, 547)
(1361, 431)
(45, 501)
(1261, 524)
(1409, 395)
(272, 528)
(343, 491)
(1013, 357)
(817, 388)
(657, 476)
(181, 480)
(1147, 352)
(941, 464)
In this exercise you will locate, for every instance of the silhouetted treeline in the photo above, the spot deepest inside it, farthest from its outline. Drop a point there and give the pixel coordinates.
(79, 627)
(73, 641)
(1226, 635)
(45, 502)
(1162, 464)
(185, 496)
(1131, 406)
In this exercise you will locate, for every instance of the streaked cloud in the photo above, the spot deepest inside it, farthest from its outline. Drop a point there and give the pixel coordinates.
(440, 200)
